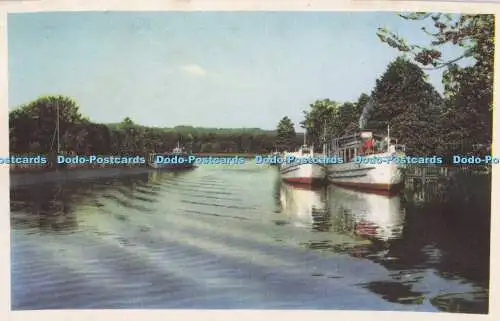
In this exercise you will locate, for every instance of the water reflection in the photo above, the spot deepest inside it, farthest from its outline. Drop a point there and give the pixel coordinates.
(305, 207)
(423, 253)
(46, 209)
(370, 215)
(342, 210)
(53, 208)
(432, 232)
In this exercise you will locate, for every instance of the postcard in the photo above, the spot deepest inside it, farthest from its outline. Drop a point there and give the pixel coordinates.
(282, 159)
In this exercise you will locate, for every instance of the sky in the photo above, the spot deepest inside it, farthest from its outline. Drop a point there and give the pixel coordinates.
(211, 69)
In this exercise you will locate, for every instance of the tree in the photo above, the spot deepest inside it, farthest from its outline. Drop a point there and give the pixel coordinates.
(327, 119)
(206, 148)
(133, 134)
(468, 89)
(467, 121)
(348, 114)
(99, 138)
(474, 33)
(37, 122)
(32, 130)
(321, 120)
(403, 99)
(285, 134)
(127, 123)
(362, 101)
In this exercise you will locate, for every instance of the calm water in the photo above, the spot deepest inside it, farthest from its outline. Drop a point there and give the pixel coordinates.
(222, 237)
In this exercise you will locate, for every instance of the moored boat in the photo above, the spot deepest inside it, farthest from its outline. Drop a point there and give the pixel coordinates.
(299, 167)
(275, 154)
(370, 162)
(178, 158)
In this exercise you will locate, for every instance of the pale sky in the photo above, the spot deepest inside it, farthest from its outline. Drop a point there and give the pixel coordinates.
(213, 69)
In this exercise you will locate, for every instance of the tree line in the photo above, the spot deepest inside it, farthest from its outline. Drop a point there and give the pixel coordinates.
(33, 130)
(459, 121)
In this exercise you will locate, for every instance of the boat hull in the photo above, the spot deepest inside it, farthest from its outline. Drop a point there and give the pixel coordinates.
(173, 166)
(367, 176)
(303, 174)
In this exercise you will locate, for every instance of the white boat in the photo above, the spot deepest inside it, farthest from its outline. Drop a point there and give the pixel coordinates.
(369, 162)
(298, 167)
(178, 158)
(368, 214)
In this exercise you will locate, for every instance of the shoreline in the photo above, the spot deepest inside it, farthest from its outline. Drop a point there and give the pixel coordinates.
(245, 155)
(50, 166)
(19, 179)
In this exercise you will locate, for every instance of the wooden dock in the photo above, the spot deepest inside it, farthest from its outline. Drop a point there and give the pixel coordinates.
(431, 172)
(424, 182)
(426, 173)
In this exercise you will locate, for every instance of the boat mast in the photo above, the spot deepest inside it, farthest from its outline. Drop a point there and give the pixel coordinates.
(324, 139)
(388, 137)
(57, 127)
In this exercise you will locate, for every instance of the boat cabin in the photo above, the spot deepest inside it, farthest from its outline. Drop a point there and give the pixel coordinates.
(364, 143)
(178, 150)
(304, 149)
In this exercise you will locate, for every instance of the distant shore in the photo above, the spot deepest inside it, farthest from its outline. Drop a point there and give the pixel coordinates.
(245, 155)
(22, 175)
(27, 178)
(18, 168)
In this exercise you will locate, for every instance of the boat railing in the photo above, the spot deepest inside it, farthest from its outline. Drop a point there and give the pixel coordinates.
(359, 150)
(400, 148)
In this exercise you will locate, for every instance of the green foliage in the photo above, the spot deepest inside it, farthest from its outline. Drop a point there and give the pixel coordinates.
(410, 105)
(466, 121)
(183, 129)
(127, 123)
(327, 118)
(401, 97)
(285, 134)
(348, 115)
(319, 119)
(33, 124)
(32, 130)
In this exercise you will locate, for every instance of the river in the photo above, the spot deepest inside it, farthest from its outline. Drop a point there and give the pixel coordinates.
(222, 237)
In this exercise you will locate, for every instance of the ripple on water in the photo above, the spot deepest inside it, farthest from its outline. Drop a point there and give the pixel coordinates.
(210, 239)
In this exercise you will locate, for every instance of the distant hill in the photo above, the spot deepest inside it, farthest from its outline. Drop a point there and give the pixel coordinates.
(192, 129)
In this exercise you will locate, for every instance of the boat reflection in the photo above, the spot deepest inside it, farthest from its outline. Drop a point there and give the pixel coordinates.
(367, 215)
(304, 206)
(370, 215)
